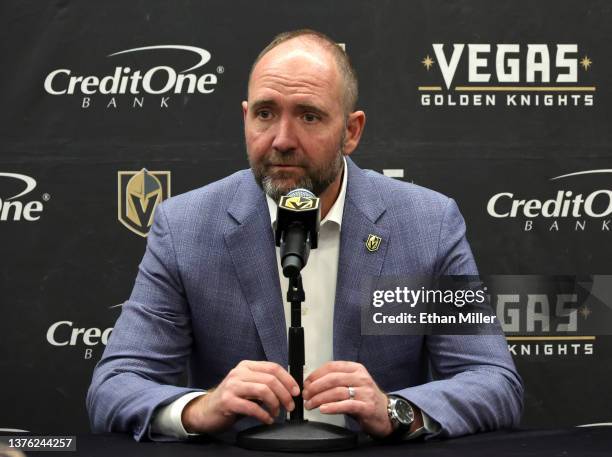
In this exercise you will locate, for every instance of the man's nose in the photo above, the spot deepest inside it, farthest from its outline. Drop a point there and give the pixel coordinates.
(285, 138)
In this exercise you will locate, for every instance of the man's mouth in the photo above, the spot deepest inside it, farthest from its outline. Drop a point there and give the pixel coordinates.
(284, 166)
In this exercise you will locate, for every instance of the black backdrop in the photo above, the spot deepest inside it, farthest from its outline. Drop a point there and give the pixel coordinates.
(70, 266)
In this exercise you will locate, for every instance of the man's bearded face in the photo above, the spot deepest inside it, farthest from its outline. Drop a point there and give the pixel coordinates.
(294, 120)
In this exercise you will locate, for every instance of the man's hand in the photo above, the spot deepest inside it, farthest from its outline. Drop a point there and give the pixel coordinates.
(246, 388)
(327, 389)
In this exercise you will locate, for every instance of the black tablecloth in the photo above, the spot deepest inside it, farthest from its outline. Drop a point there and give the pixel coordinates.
(591, 441)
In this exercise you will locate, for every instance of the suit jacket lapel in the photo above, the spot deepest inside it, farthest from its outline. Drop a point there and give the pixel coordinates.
(251, 247)
(357, 265)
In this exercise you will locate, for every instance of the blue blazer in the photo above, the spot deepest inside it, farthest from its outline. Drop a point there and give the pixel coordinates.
(207, 296)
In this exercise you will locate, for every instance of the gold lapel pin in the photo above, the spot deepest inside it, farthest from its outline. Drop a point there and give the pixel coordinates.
(373, 242)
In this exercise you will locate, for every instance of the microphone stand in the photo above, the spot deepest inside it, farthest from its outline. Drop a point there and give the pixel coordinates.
(297, 434)
(297, 356)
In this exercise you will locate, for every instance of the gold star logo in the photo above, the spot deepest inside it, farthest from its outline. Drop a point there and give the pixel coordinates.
(428, 62)
(585, 311)
(586, 62)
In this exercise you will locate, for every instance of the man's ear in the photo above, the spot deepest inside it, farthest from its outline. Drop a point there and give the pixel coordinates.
(354, 128)
(245, 109)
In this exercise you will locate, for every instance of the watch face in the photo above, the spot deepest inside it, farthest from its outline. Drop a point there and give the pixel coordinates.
(404, 412)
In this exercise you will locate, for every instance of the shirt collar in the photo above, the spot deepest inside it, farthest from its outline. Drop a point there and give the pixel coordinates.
(335, 212)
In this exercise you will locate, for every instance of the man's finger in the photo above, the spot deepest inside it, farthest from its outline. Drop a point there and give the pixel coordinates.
(329, 367)
(261, 392)
(276, 370)
(331, 380)
(252, 409)
(353, 407)
(277, 387)
(328, 396)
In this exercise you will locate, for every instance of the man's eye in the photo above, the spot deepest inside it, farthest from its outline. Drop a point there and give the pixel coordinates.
(310, 117)
(264, 114)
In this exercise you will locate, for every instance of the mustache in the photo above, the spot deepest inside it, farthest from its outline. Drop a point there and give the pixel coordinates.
(283, 158)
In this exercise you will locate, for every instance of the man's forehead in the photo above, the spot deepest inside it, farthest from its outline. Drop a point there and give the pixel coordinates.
(298, 48)
(298, 53)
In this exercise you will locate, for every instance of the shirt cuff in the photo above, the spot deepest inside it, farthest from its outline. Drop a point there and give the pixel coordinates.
(167, 421)
(429, 425)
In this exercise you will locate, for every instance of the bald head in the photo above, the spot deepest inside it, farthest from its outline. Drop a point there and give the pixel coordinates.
(310, 42)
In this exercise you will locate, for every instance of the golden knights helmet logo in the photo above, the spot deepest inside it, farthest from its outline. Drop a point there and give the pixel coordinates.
(299, 203)
(373, 242)
(139, 193)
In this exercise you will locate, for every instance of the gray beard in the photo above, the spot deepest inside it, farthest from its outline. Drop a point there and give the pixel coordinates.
(316, 181)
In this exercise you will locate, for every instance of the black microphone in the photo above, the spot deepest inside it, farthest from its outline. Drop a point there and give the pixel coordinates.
(297, 229)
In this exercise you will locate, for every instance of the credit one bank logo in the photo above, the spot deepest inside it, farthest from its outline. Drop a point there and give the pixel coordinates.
(565, 209)
(68, 334)
(127, 86)
(16, 206)
(506, 74)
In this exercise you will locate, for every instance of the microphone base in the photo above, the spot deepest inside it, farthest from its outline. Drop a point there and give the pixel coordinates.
(303, 436)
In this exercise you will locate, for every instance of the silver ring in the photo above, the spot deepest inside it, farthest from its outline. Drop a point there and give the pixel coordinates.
(351, 393)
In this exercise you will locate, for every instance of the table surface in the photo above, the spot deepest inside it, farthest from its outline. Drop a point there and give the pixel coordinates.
(587, 441)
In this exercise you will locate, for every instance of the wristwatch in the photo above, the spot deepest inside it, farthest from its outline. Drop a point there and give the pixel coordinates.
(400, 413)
